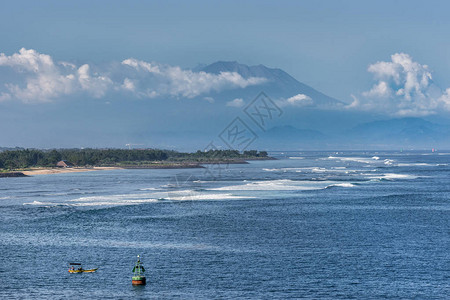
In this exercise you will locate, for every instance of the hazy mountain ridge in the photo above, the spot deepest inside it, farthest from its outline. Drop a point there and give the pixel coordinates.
(414, 133)
(402, 131)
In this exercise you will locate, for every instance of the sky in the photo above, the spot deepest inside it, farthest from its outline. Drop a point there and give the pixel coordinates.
(381, 56)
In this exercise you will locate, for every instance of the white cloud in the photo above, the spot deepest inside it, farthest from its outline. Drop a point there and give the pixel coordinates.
(379, 90)
(299, 99)
(445, 99)
(67, 64)
(141, 65)
(403, 87)
(296, 100)
(355, 103)
(159, 80)
(238, 102)
(43, 80)
(97, 85)
(37, 78)
(128, 84)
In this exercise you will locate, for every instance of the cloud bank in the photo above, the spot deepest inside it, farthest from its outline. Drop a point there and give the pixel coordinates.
(153, 80)
(36, 77)
(39, 78)
(402, 87)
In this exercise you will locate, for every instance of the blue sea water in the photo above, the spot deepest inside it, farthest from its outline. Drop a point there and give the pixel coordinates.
(316, 225)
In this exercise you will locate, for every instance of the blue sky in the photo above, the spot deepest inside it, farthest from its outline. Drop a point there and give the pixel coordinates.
(329, 45)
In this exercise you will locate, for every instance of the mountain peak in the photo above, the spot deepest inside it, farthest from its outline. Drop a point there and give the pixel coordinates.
(279, 83)
(244, 70)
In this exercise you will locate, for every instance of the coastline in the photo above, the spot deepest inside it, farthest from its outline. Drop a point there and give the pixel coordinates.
(46, 171)
(171, 165)
(12, 174)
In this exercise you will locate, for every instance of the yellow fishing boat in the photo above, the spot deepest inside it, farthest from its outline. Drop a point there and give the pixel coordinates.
(77, 268)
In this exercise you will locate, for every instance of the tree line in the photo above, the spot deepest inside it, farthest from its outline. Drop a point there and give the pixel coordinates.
(25, 158)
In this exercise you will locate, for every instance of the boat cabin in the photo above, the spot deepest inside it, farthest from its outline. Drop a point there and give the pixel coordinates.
(75, 267)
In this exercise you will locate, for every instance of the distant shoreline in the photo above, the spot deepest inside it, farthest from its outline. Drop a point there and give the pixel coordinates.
(46, 171)
(170, 165)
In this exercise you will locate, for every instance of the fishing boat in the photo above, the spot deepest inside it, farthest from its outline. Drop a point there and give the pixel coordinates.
(138, 273)
(77, 268)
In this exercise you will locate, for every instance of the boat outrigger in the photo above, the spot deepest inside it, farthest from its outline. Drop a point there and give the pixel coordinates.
(138, 273)
(77, 268)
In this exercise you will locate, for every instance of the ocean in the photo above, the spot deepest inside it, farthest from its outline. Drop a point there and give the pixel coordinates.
(314, 225)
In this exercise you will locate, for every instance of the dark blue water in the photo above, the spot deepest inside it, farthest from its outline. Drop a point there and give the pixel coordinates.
(309, 225)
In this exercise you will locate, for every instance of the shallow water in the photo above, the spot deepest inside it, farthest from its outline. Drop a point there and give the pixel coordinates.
(309, 225)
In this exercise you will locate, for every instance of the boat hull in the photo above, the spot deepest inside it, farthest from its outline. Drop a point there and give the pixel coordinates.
(138, 280)
(83, 271)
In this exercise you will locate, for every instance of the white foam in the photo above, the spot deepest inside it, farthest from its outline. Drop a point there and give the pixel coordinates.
(399, 176)
(272, 170)
(169, 185)
(355, 159)
(149, 189)
(95, 203)
(343, 184)
(208, 197)
(134, 199)
(286, 169)
(279, 185)
(363, 160)
(181, 192)
(111, 198)
(388, 162)
(39, 203)
(115, 203)
(416, 165)
(296, 157)
(391, 176)
(332, 170)
(310, 169)
(55, 194)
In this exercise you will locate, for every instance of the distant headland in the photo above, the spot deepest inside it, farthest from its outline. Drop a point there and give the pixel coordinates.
(26, 162)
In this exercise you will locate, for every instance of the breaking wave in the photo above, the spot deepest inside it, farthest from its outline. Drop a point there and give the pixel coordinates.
(279, 185)
(391, 176)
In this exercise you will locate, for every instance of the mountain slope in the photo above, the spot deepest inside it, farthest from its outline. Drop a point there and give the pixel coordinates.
(279, 83)
(406, 133)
